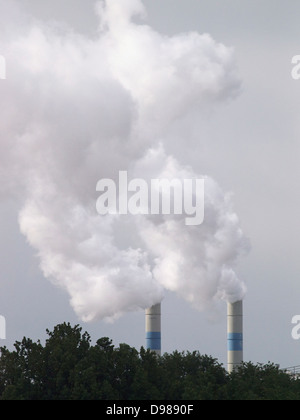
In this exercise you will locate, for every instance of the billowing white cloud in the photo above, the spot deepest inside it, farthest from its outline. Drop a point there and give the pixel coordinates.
(79, 109)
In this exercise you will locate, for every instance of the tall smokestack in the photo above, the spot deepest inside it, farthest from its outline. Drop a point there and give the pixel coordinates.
(235, 335)
(153, 329)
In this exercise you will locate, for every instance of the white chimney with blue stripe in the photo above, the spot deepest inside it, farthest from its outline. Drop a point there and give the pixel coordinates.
(235, 335)
(153, 329)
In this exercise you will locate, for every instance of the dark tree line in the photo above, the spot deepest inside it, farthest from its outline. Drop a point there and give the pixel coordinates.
(68, 367)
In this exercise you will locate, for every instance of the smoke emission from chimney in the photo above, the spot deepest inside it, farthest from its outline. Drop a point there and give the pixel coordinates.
(90, 108)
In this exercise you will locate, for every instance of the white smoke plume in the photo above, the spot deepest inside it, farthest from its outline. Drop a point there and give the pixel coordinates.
(76, 110)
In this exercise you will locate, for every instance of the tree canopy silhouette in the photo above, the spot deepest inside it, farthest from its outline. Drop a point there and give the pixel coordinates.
(68, 367)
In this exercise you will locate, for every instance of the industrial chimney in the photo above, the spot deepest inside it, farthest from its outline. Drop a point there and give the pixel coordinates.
(153, 329)
(235, 335)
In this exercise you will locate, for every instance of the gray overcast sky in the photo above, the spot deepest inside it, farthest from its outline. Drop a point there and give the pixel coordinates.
(255, 144)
